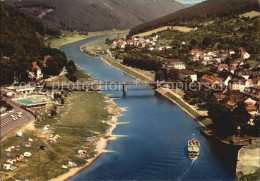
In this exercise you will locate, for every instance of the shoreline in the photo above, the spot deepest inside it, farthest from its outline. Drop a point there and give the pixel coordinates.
(145, 77)
(129, 68)
(101, 144)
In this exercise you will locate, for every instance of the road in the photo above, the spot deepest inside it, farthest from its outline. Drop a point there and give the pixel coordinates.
(8, 124)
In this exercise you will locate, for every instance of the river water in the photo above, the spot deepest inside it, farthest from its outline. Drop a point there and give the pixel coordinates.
(157, 135)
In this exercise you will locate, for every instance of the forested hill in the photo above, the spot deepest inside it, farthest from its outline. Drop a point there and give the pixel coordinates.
(206, 10)
(21, 45)
(96, 15)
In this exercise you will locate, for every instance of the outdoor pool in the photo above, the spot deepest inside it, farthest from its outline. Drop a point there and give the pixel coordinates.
(36, 97)
(26, 101)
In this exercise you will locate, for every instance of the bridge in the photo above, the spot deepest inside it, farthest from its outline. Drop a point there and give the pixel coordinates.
(96, 86)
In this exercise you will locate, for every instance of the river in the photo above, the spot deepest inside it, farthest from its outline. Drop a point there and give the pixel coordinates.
(157, 135)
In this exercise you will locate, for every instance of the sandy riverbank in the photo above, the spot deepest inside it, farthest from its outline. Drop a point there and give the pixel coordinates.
(248, 161)
(102, 143)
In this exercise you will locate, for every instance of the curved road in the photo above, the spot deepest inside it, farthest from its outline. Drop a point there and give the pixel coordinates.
(8, 124)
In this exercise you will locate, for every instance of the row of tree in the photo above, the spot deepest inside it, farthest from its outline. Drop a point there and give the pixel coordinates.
(142, 61)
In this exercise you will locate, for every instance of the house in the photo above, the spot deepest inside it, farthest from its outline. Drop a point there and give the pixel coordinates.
(136, 38)
(36, 72)
(236, 64)
(151, 48)
(184, 74)
(204, 62)
(244, 55)
(232, 70)
(251, 106)
(154, 39)
(250, 101)
(231, 52)
(207, 57)
(175, 64)
(130, 42)
(211, 81)
(212, 53)
(222, 67)
(10, 94)
(195, 58)
(226, 79)
(233, 98)
(238, 84)
(217, 60)
(6, 166)
(196, 52)
(143, 45)
(22, 89)
(244, 73)
(252, 109)
(121, 44)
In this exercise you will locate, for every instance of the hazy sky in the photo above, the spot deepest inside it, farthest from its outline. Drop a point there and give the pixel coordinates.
(190, 1)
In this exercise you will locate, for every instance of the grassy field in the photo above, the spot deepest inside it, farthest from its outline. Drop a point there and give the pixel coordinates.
(183, 104)
(82, 76)
(116, 64)
(83, 115)
(70, 38)
(178, 28)
(100, 43)
(250, 14)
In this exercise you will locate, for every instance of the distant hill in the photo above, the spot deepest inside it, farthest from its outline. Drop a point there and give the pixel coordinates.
(21, 44)
(206, 10)
(96, 15)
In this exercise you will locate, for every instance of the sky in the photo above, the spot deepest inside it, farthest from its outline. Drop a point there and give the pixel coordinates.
(190, 1)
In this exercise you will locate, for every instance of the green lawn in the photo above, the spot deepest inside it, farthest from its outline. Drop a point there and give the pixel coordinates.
(83, 115)
(178, 28)
(183, 104)
(100, 43)
(82, 75)
(116, 64)
(70, 38)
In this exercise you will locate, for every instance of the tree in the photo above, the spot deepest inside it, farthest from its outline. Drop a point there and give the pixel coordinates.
(194, 42)
(53, 112)
(173, 74)
(159, 75)
(206, 42)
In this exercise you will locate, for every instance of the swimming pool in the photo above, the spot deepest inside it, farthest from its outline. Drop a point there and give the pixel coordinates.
(26, 101)
(36, 97)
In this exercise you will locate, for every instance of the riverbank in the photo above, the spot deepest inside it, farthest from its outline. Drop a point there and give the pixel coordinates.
(248, 163)
(75, 121)
(71, 37)
(101, 144)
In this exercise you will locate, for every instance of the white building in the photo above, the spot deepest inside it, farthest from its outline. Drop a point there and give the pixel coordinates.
(36, 72)
(176, 64)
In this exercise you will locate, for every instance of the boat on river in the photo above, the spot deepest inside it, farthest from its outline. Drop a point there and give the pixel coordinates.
(193, 149)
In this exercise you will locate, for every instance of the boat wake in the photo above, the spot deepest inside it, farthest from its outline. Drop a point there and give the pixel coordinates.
(192, 164)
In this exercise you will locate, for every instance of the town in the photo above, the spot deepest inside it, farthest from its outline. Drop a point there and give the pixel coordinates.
(120, 90)
(226, 76)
